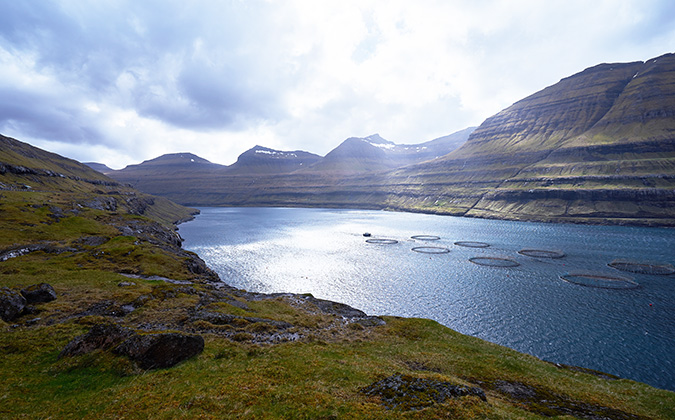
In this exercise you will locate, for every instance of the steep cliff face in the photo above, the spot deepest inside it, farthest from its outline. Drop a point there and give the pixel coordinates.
(597, 145)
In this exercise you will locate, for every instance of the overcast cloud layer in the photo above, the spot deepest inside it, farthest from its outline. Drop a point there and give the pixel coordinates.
(119, 82)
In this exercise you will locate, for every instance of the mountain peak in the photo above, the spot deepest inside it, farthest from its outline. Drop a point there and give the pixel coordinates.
(260, 159)
(177, 158)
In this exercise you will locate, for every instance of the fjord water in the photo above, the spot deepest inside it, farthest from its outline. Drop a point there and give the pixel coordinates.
(626, 332)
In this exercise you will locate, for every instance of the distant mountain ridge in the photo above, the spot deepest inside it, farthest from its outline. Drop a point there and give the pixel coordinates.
(354, 157)
(596, 147)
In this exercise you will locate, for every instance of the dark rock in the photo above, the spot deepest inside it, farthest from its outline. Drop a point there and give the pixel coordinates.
(30, 310)
(102, 203)
(38, 293)
(12, 304)
(100, 336)
(160, 350)
(409, 393)
(148, 350)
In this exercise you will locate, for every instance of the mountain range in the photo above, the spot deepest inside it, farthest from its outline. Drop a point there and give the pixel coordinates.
(596, 147)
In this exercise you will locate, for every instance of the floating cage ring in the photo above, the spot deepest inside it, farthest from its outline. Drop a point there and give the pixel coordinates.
(431, 249)
(494, 261)
(382, 241)
(541, 253)
(426, 237)
(601, 281)
(472, 244)
(643, 267)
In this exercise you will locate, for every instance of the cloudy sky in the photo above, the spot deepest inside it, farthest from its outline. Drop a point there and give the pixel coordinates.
(119, 82)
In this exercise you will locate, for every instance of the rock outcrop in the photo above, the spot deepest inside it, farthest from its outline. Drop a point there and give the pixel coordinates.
(160, 350)
(39, 293)
(150, 350)
(11, 304)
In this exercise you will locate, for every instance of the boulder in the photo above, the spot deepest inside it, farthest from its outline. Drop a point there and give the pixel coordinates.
(11, 304)
(149, 350)
(100, 336)
(160, 350)
(38, 293)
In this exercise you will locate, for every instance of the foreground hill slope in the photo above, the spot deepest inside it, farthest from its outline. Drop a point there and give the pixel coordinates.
(118, 273)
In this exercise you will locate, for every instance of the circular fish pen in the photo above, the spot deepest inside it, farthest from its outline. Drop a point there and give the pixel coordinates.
(541, 253)
(431, 249)
(382, 241)
(426, 237)
(472, 244)
(643, 267)
(601, 281)
(494, 262)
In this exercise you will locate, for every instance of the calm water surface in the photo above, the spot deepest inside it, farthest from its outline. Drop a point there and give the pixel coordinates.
(630, 333)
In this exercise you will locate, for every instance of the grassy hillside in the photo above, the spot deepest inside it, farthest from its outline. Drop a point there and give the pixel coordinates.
(266, 356)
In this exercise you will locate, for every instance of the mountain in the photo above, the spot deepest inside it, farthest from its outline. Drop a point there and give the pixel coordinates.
(597, 145)
(98, 167)
(263, 160)
(441, 146)
(358, 155)
(169, 175)
(264, 176)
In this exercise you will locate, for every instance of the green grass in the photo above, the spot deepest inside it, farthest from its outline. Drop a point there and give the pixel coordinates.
(293, 380)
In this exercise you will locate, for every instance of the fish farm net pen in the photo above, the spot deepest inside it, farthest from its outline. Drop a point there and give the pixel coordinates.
(426, 237)
(541, 253)
(431, 249)
(494, 261)
(472, 244)
(382, 241)
(601, 281)
(660, 269)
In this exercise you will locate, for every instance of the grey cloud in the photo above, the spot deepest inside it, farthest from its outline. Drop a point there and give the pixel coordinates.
(92, 46)
(40, 116)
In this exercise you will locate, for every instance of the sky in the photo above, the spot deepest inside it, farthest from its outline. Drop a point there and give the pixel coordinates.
(123, 81)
